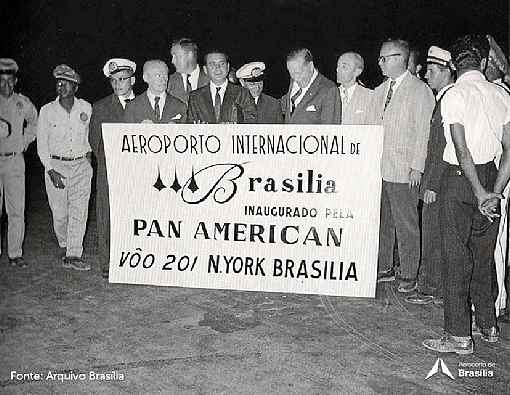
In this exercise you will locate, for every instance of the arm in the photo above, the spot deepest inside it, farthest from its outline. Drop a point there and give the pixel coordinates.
(43, 149)
(331, 112)
(94, 130)
(30, 131)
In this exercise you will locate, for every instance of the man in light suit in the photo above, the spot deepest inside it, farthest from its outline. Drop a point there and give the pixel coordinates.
(220, 101)
(356, 99)
(251, 76)
(120, 73)
(404, 104)
(155, 105)
(312, 98)
(188, 75)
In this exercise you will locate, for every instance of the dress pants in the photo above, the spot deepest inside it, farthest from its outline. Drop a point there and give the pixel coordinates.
(69, 206)
(399, 211)
(12, 189)
(103, 221)
(469, 238)
(429, 278)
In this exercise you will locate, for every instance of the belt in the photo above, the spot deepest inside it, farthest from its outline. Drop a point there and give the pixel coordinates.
(8, 153)
(457, 169)
(66, 158)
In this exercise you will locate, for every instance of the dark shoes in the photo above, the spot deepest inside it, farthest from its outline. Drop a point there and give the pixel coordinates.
(407, 286)
(420, 298)
(76, 263)
(448, 344)
(386, 275)
(18, 262)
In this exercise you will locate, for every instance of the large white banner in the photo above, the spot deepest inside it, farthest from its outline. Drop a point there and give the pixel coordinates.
(278, 208)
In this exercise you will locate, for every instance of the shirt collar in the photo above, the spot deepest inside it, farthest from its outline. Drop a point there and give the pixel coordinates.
(195, 72)
(442, 91)
(213, 86)
(472, 75)
(151, 95)
(399, 79)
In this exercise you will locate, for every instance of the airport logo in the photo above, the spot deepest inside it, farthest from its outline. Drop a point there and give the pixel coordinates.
(440, 366)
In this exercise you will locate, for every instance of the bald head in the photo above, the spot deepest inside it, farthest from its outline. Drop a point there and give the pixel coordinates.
(348, 68)
(155, 74)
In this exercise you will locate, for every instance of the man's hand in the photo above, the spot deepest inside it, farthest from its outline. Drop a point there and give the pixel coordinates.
(414, 178)
(56, 178)
(488, 204)
(429, 196)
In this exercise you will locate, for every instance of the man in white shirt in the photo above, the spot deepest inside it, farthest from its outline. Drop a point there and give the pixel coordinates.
(64, 150)
(188, 75)
(476, 119)
(15, 111)
(356, 99)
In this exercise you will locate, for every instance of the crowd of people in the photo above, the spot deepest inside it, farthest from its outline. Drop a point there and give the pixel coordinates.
(446, 156)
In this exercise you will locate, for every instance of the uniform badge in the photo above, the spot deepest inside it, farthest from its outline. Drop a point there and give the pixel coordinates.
(112, 66)
(256, 72)
(84, 117)
(19, 106)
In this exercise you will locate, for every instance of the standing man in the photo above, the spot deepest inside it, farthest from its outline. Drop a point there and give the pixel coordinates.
(312, 98)
(440, 78)
(356, 99)
(120, 73)
(220, 101)
(476, 119)
(404, 104)
(64, 150)
(251, 76)
(155, 105)
(188, 75)
(15, 110)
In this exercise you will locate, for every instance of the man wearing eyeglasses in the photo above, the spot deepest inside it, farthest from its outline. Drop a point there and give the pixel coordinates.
(120, 73)
(64, 150)
(404, 105)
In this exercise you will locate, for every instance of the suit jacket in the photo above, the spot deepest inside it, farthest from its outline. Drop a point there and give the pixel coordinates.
(406, 124)
(176, 85)
(238, 106)
(140, 110)
(106, 110)
(359, 110)
(269, 110)
(321, 104)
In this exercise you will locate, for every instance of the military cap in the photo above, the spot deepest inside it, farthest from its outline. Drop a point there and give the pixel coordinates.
(252, 72)
(439, 56)
(8, 66)
(118, 64)
(497, 56)
(64, 72)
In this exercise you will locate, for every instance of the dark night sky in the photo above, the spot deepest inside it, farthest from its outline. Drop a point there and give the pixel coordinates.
(40, 34)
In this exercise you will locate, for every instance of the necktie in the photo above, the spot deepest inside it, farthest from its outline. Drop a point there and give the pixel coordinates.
(156, 107)
(294, 98)
(344, 95)
(188, 83)
(217, 104)
(390, 94)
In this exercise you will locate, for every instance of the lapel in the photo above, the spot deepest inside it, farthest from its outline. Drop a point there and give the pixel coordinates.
(401, 92)
(178, 85)
(228, 102)
(310, 93)
(207, 104)
(117, 110)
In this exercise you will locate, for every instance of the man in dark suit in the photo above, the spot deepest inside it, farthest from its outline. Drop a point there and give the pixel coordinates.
(220, 101)
(312, 98)
(110, 109)
(155, 105)
(188, 75)
(251, 76)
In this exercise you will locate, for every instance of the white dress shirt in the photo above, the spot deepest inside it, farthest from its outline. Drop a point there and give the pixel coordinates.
(162, 100)
(123, 99)
(212, 88)
(295, 87)
(193, 78)
(482, 108)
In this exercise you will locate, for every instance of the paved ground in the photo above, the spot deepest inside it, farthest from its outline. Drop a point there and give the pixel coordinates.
(64, 324)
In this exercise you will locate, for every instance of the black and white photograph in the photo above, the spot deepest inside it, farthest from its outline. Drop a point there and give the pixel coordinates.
(255, 197)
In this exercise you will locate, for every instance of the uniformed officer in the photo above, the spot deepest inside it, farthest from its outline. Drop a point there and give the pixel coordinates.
(64, 150)
(15, 110)
(251, 76)
(120, 73)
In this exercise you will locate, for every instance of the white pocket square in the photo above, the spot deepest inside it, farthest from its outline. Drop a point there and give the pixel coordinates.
(178, 116)
(311, 108)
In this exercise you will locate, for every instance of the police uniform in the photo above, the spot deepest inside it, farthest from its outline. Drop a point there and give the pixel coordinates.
(63, 146)
(109, 109)
(14, 140)
(269, 110)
